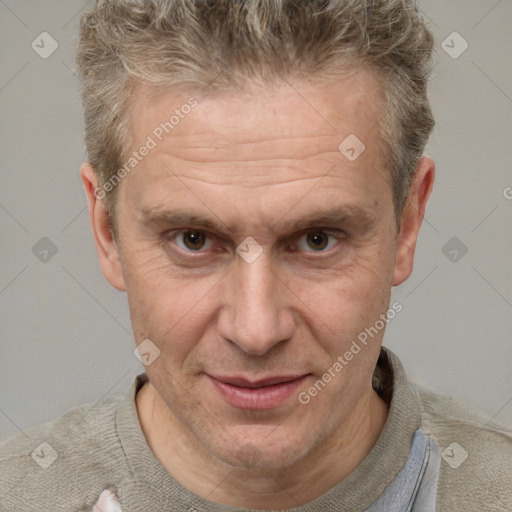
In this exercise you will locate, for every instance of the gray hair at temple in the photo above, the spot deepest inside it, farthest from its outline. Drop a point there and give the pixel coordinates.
(215, 46)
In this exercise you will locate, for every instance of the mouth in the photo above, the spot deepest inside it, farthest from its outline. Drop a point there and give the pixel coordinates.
(262, 394)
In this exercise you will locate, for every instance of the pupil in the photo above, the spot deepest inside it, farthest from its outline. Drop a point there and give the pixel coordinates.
(319, 240)
(194, 239)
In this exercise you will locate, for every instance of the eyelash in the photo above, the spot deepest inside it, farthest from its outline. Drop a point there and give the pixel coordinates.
(338, 235)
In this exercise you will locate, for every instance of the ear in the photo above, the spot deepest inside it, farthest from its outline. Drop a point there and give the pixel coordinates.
(108, 250)
(412, 217)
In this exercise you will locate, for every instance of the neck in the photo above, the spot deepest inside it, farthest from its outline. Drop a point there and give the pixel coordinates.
(332, 460)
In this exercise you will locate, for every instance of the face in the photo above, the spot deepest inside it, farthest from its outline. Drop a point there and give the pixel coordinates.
(232, 316)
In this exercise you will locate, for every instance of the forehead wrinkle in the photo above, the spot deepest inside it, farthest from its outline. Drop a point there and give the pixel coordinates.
(251, 163)
(273, 151)
(248, 174)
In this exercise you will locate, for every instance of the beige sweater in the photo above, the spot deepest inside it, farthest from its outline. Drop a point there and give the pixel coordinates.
(65, 464)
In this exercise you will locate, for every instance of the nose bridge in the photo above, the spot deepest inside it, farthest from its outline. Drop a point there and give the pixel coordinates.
(255, 316)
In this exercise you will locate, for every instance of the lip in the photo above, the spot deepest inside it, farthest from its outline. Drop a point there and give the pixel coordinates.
(262, 394)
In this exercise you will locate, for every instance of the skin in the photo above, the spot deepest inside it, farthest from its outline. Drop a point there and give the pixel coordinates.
(255, 162)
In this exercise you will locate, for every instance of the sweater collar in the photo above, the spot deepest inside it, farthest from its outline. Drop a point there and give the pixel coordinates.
(356, 492)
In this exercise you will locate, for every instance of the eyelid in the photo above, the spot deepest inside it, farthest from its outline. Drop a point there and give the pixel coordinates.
(337, 233)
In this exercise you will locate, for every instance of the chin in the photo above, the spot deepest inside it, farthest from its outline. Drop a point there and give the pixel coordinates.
(262, 453)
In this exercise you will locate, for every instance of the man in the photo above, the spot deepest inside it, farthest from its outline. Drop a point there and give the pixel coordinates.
(256, 184)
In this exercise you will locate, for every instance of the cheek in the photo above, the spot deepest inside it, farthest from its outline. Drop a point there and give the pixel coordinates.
(164, 307)
(342, 303)
(348, 329)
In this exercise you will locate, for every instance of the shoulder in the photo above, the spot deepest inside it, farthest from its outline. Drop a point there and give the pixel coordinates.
(446, 417)
(46, 465)
(83, 421)
(476, 453)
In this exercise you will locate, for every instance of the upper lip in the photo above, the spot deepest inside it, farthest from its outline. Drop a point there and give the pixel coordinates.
(247, 383)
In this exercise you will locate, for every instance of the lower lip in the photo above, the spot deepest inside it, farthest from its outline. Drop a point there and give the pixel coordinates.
(267, 397)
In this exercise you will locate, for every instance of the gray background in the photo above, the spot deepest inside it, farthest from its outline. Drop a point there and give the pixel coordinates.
(65, 333)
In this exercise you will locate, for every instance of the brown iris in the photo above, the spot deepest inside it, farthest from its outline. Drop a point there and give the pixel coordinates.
(317, 240)
(193, 240)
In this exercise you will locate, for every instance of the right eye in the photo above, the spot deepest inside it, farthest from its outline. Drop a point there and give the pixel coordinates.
(191, 240)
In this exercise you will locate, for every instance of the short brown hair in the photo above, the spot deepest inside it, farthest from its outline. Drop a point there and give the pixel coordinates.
(222, 44)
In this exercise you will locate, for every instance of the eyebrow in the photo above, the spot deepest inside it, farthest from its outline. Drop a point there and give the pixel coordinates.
(348, 214)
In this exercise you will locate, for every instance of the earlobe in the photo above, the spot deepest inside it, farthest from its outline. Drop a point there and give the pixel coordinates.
(106, 246)
(412, 218)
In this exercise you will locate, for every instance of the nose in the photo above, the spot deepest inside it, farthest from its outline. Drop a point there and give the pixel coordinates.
(256, 314)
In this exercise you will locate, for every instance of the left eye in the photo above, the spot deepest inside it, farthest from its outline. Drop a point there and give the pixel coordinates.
(319, 241)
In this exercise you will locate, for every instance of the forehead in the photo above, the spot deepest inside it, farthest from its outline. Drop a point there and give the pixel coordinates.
(277, 140)
(291, 110)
